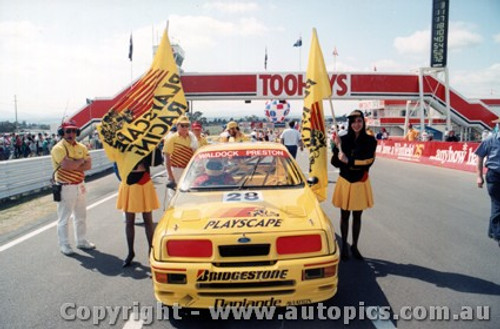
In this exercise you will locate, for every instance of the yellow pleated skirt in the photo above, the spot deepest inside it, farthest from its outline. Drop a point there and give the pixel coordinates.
(137, 198)
(352, 196)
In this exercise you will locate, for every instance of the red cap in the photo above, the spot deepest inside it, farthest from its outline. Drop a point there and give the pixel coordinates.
(196, 125)
(69, 124)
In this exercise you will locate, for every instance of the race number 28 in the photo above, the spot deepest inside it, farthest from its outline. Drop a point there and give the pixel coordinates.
(242, 197)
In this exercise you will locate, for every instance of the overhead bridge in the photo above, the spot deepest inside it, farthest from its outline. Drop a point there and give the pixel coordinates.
(475, 114)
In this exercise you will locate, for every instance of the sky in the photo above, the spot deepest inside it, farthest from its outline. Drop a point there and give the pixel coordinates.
(56, 54)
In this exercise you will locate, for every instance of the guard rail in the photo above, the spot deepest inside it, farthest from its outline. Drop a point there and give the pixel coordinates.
(21, 176)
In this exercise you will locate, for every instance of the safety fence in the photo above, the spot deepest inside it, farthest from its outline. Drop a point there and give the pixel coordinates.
(455, 155)
(21, 176)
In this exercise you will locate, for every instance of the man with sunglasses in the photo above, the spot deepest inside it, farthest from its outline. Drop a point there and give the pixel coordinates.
(70, 160)
(179, 147)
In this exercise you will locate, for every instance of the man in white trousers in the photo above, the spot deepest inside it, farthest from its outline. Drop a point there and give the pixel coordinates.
(70, 160)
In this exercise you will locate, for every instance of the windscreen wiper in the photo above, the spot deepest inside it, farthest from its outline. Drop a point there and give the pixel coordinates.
(251, 175)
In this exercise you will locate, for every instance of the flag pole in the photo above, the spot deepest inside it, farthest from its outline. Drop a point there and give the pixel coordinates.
(265, 60)
(131, 74)
(334, 120)
(335, 54)
(333, 113)
(130, 56)
(339, 146)
(300, 54)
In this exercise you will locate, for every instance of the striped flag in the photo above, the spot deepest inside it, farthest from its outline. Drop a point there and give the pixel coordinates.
(298, 43)
(335, 52)
(313, 123)
(136, 124)
(130, 48)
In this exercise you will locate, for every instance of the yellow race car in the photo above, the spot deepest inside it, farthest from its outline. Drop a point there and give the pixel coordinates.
(244, 229)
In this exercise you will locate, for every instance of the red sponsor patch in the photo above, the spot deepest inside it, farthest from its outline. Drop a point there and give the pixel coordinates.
(235, 212)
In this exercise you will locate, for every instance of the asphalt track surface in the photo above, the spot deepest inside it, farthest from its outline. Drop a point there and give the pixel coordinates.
(424, 242)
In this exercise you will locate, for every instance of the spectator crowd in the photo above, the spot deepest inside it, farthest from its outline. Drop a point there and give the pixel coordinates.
(17, 146)
(28, 145)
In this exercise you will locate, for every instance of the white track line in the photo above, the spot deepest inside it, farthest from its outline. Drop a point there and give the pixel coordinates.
(48, 226)
(132, 323)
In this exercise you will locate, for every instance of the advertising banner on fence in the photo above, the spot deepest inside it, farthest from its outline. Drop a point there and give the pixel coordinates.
(442, 154)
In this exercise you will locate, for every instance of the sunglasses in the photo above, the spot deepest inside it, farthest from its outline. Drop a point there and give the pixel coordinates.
(184, 125)
(70, 131)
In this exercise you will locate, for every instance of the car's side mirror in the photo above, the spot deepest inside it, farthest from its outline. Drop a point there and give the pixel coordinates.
(312, 180)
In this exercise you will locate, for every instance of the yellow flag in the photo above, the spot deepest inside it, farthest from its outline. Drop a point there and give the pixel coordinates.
(313, 123)
(136, 124)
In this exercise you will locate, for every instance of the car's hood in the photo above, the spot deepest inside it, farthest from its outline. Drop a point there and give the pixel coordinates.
(209, 213)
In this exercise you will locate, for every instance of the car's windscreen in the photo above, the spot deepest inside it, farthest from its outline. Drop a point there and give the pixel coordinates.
(241, 169)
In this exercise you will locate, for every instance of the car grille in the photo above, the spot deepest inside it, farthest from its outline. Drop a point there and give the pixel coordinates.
(245, 264)
(249, 250)
(257, 293)
(245, 285)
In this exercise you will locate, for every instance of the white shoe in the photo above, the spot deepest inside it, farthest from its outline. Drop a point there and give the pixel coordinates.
(85, 245)
(66, 250)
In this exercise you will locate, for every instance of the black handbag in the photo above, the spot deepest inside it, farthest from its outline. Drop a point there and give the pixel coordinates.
(55, 186)
(56, 191)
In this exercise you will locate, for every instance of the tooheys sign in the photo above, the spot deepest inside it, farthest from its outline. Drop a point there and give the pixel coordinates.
(439, 35)
(285, 86)
(257, 86)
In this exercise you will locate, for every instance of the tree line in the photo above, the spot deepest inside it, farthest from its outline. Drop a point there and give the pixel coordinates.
(8, 127)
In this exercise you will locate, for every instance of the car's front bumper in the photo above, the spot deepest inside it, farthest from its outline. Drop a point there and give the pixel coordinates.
(203, 285)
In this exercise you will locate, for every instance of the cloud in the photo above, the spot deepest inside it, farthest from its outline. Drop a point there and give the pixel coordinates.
(460, 36)
(417, 43)
(48, 75)
(232, 7)
(496, 38)
(478, 83)
(18, 29)
(199, 31)
(202, 32)
(389, 65)
(209, 42)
